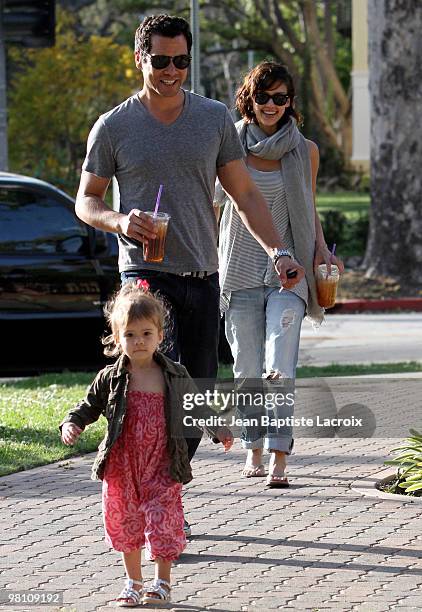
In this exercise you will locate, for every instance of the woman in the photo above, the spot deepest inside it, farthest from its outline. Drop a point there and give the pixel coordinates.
(263, 323)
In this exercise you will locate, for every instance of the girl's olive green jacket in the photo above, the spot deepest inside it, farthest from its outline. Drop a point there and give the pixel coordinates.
(107, 396)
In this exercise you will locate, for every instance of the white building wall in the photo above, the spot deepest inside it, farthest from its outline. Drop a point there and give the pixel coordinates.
(361, 120)
(360, 78)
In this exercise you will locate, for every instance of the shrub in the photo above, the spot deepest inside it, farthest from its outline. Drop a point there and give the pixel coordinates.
(409, 471)
(333, 223)
(350, 235)
(355, 235)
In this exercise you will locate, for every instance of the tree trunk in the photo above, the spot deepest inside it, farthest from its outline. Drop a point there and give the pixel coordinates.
(395, 51)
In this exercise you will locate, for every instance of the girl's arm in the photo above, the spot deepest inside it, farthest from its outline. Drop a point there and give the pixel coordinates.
(322, 253)
(90, 409)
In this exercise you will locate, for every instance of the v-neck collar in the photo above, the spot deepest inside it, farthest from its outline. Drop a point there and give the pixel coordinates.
(178, 119)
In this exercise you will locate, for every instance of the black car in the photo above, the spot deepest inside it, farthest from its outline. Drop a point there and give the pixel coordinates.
(55, 275)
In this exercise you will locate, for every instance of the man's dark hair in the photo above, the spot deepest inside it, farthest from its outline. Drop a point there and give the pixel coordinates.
(163, 25)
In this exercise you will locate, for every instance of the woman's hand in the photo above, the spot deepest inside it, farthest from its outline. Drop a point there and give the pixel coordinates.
(225, 436)
(70, 433)
(323, 256)
(286, 264)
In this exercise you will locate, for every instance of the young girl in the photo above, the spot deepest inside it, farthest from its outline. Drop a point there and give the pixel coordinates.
(143, 459)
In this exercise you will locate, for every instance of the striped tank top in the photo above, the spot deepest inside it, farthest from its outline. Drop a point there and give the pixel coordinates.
(243, 263)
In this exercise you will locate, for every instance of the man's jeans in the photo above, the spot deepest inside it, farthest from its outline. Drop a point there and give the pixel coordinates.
(195, 320)
(263, 330)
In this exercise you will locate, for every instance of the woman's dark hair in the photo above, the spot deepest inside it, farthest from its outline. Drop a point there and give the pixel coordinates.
(261, 78)
(162, 25)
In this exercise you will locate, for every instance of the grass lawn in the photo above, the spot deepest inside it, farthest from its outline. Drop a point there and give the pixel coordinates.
(350, 203)
(31, 410)
(225, 371)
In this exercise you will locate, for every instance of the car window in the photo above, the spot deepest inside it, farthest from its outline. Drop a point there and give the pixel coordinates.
(32, 222)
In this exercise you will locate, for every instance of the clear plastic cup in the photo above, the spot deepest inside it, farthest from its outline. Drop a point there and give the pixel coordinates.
(153, 250)
(327, 285)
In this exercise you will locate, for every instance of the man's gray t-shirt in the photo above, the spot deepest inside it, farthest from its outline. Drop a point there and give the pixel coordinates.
(143, 153)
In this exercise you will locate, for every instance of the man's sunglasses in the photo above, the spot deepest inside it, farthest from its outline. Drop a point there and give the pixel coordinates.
(279, 99)
(159, 62)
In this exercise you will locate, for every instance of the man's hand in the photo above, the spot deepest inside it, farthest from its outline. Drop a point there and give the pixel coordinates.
(70, 433)
(137, 225)
(225, 436)
(323, 256)
(286, 264)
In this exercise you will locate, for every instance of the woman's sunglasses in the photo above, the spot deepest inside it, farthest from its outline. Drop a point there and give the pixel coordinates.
(279, 99)
(159, 62)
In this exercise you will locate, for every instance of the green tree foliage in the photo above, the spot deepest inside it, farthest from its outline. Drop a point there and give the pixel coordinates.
(312, 37)
(56, 96)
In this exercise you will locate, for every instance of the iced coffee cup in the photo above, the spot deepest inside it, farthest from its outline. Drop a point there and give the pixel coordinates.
(153, 250)
(327, 285)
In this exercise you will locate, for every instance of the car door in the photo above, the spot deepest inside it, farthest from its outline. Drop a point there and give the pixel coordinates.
(45, 269)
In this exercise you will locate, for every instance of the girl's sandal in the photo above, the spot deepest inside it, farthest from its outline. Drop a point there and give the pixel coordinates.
(157, 593)
(130, 597)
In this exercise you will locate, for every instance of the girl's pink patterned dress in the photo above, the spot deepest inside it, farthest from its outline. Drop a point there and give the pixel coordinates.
(142, 506)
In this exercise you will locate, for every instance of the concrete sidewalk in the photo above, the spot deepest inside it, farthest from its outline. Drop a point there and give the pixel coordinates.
(362, 338)
(319, 545)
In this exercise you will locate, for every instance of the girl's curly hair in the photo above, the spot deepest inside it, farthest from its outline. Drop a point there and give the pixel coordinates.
(133, 301)
(264, 76)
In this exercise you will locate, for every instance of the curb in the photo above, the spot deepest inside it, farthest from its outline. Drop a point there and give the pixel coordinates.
(368, 488)
(388, 304)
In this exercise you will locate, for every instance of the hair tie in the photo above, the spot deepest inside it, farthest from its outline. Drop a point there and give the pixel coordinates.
(141, 283)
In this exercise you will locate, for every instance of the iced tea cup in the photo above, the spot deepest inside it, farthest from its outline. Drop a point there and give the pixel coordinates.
(153, 250)
(327, 285)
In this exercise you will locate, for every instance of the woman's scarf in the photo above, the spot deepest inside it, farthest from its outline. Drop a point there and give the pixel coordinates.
(290, 146)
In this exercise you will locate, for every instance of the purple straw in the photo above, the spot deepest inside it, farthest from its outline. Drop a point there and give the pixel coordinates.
(333, 250)
(157, 203)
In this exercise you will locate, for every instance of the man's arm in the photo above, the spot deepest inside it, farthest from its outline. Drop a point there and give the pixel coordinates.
(255, 214)
(91, 208)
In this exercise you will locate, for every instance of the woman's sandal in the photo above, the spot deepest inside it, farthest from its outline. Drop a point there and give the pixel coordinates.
(130, 597)
(254, 471)
(275, 481)
(157, 593)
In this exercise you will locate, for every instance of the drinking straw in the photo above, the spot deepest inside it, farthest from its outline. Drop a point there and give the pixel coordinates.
(333, 250)
(157, 203)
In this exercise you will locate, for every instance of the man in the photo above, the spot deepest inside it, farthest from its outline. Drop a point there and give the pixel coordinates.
(164, 135)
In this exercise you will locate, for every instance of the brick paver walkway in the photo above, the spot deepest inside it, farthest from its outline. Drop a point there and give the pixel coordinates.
(316, 546)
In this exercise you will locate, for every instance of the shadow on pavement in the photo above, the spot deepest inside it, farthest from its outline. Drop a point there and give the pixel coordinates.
(315, 563)
(355, 548)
